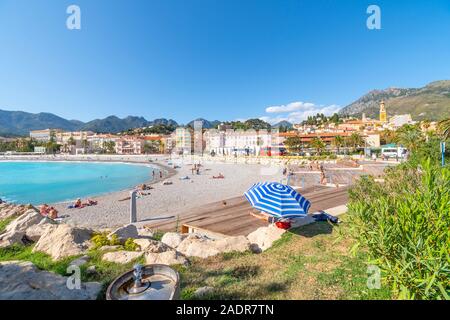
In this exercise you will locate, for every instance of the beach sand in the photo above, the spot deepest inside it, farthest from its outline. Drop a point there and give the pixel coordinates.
(171, 200)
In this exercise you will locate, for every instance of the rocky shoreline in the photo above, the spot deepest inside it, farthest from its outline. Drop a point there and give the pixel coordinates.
(59, 241)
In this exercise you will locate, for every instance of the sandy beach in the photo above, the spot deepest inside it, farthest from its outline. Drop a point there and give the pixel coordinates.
(170, 200)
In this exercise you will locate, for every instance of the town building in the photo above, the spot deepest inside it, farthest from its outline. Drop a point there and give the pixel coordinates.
(398, 121)
(44, 135)
(383, 112)
(239, 142)
(130, 145)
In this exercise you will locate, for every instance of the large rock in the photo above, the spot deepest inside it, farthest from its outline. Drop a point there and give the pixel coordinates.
(26, 220)
(23, 281)
(123, 233)
(230, 244)
(148, 245)
(263, 238)
(35, 232)
(170, 257)
(64, 241)
(198, 246)
(122, 257)
(173, 239)
(15, 231)
(9, 210)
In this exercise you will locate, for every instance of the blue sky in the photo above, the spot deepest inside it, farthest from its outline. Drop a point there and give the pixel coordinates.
(217, 59)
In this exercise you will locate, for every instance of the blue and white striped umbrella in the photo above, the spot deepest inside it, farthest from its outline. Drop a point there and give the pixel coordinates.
(278, 200)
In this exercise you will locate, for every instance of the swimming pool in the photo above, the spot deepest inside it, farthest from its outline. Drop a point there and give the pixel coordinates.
(49, 182)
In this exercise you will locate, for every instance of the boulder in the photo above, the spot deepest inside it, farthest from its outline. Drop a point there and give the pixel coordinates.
(35, 232)
(23, 281)
(230, 244)
(151, 245)
(173, 239)
(202, 247)
(122, 257)
(170, 257)
(123, 233)
(16, 229)
(263, 238)
(197, 246)
(145, 233)
(80, 261)
(64, 241)
(10, 238)
(26, 220)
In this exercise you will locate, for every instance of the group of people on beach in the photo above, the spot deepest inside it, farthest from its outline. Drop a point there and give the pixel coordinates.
(78, 204)
(49, 212)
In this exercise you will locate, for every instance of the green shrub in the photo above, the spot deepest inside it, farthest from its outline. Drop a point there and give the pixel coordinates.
(404, 224)
(101, 239)
(130, 245)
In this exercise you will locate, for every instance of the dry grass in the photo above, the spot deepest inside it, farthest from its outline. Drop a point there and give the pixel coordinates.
(312, 262)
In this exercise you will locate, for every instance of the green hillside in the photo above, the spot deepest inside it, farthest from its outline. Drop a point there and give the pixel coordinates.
(431, 102)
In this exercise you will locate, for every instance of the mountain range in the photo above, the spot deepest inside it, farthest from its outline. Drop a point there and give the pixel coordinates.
(19, 123)
(431, 102)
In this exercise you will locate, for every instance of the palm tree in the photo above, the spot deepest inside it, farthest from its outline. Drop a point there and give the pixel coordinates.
(356, 140)
(317, 144)
(387, 136)
(293, 143)
(410, 137)
(444, 128)
(338, 142)
(85, 145)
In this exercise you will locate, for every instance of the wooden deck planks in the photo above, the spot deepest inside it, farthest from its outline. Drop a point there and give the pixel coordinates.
(234, 219)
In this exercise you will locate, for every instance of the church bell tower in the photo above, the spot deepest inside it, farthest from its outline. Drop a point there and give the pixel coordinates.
(383, 114)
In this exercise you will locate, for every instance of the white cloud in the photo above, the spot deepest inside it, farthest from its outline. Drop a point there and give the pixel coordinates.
(293, 106)
(296, 112)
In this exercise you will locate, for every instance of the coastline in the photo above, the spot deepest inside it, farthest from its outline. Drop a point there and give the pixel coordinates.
(167, 171)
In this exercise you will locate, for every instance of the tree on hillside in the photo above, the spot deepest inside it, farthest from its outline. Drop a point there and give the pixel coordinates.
(318, 145)
(355, 140)
(444, 128)
(338, 142)
(387, 136)
(409, 136)
(293, 144)
(109, 146)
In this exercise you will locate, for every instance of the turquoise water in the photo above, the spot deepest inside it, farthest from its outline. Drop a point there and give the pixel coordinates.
(49, 182)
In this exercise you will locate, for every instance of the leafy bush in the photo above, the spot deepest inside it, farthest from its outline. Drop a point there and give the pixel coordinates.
(404, 224)
(130, 245)
(101, 239)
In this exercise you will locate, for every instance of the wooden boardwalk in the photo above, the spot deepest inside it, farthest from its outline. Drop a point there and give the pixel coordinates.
(232, 218)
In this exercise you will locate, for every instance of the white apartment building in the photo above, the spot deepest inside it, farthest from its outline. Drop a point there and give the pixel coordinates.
(238, 142)
(398, 121)
(130, 145)
(44, 135)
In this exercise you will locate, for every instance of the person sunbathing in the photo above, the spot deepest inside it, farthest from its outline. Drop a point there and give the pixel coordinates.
(44, 210)
(220, 176)
(78, 203)
(90, 202)
(52, 213)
